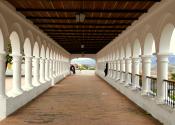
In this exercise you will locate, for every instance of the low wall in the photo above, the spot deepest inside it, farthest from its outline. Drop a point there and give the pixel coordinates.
(11, 104)
(163, 113)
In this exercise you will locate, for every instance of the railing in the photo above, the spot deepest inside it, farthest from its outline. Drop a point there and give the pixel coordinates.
(123, 76)
(170, 93)
(152, 81)
(130, 78)
(139, 79)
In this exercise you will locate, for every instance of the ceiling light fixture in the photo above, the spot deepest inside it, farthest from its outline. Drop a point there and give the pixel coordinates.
(82, 46)
(80, 17)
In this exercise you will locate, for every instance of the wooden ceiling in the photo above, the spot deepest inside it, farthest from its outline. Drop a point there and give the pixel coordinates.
(104, 20)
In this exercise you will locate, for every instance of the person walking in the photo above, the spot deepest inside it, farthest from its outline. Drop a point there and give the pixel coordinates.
(106, 69)
(72, 68)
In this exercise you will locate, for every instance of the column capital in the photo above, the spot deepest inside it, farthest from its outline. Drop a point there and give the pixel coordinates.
(146, 58)
(36, 57)
(128, 60)
(136, 59)
(17, 58)
(162, 57)
(28, 57)
(122, 61)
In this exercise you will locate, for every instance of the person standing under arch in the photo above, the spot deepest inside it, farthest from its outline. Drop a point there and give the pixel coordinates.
(106, 69)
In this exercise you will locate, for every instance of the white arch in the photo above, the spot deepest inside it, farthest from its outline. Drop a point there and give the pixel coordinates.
(149, 45)
(47, 53)
(166, 39)
(42, 53)
(128, 50)
(1, 42)
(15, 43)
(51, 54)
(3, 34)
(122, 53)
(36, 50)
(136, 48)
(27, 47)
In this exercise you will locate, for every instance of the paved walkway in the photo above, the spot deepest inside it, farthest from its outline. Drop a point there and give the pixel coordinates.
(80, 100)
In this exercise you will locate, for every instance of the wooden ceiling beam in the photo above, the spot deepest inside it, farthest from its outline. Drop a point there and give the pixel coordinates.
(87, 18)
(84, 24)
(83, 35)
(106, 0)
(83, 32)
(57, 32)
(78, 29)
(83, 10)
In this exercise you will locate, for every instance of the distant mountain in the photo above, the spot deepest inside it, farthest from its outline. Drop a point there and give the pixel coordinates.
(84, 61)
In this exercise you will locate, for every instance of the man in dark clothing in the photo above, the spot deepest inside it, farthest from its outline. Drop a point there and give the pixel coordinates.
(106, 69)
(72, 68)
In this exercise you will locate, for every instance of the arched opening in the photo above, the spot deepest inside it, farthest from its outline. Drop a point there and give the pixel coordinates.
(1, 42)
(24, 66)
(43, 54)
(128, 50)
(13, 49)
(168, 48)
(137, 54)
(36, 50)
(167, 70)
(150, 50)
(35, 65)
(84, 65)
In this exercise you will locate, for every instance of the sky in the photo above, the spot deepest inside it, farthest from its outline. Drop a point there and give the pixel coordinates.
(171, 59)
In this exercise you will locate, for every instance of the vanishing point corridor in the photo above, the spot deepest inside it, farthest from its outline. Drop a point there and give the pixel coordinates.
(80, 100)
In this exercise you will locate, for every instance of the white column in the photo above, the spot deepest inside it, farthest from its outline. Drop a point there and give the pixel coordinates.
(162, 74)
(146, 71)
(118, 70)
(122, 67)
(114, 70)
(2, 75)
(61, 67)
(128, 70)
(17, 59)
(56, 68)
(28, 72)
(51, 68)
(135, 70)
(47, 69)
(42, 70)
(110, 75)
(36, 74)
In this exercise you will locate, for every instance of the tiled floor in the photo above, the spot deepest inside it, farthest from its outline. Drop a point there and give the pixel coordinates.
(80, 100)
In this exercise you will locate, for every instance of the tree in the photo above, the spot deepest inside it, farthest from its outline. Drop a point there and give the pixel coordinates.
(8, 56)
(173, 76)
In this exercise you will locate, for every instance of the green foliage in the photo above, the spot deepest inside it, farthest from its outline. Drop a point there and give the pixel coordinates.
(9, 57)
(173, 76)
(85, 67)
(91, 68)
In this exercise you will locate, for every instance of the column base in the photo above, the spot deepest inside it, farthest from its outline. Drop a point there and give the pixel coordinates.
(160, 101)
(126, 85)
(43, 81)
(28, 87)
(16, 92)
(36, 83)
(134, 88)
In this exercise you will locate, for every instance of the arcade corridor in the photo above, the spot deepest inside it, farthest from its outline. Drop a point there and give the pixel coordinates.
(80, 100)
